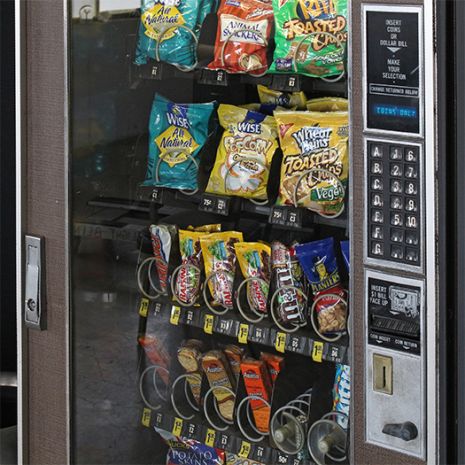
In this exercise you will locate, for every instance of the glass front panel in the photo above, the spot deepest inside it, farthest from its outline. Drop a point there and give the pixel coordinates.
(210, 245)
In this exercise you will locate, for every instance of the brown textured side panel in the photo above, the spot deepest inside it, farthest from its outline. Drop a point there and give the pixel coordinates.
(363, 453)
(46, 216)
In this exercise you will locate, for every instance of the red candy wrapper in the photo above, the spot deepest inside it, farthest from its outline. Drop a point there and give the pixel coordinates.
(242, 37)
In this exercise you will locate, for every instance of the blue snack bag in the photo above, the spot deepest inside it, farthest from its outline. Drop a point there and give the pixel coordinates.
(177, 133)
(172, 26)
(319, 264)
(345, 249)
(341, 393)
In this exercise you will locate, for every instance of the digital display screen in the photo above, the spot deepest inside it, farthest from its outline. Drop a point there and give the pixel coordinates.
(393, 70)
(395, 111)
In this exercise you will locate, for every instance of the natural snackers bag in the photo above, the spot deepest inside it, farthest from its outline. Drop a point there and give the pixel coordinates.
(310, 36)
(244, 155)
(169, 30)
(177, 134)
(244, 28)
(315, 164)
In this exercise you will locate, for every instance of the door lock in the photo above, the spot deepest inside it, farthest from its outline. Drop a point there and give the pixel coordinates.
(34, 302)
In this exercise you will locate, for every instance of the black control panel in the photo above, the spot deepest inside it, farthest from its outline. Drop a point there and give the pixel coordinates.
(394, 315)
(394, 202)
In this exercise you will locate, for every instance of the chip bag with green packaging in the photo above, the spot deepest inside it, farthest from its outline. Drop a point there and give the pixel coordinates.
(244, 155)
(177, 134)
(310, 36)
(315, 166)
(173, 26)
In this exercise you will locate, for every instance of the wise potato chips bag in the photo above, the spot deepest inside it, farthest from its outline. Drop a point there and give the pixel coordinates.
(244, 28)
(310, 36)
(244, 155)
(219, 258)
(265, 108)
(291, 100)
(177, 45)
(255, 262)
(328, 104)
(311, 140)
(177, 134)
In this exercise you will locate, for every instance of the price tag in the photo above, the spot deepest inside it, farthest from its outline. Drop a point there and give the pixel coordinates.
(215, 204)
(210, 437)
(159, 419)
(244, 451)
(157, 308)
(156, 71)
(317, 352)
(208, 323)
(281, 458)
(177, 426)
(156, 195)
(285, 216)
(175, 315)
(144, 307)
(146, 416)
(213, 78)
(190, 317)
(191, 430)
(296, 344)
(243, 333)
(280, 342)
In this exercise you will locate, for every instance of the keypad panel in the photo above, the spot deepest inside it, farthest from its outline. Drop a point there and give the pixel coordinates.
(394, 213)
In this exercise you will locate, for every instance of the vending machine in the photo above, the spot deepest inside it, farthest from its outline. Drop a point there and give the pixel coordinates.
(240, 232)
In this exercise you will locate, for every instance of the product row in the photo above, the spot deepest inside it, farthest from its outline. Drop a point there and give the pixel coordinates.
(305, 37)
(292, 285)
(313, 144)
(266, 398)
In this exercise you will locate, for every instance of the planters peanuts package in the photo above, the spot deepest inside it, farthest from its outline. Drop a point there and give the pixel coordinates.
(174, 25)
(177, 134)
(320, 266)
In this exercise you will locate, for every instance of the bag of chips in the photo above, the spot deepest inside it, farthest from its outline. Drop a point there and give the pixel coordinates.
(185, 451)
(187, 285)
(320, 266)
(315, 166)
(345, 249)
(265, 108)
(328, 104)
(242, 37)
(173, 27)
(220, 260)
(289, 100)
(177, 134)
(310, 36)
(341, 394)
(244, 155)
(254, 261)
(162, 237)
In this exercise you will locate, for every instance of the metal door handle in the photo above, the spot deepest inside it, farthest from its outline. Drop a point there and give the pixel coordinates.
(34, 308)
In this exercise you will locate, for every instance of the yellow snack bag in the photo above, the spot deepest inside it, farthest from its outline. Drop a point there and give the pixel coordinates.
(254, 261)
(285, 99)
(315, 141)
(244, 155)
(328, 104)
(207, 228)
(219, 258)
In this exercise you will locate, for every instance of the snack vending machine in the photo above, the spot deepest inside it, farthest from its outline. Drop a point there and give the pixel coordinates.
(253, 270)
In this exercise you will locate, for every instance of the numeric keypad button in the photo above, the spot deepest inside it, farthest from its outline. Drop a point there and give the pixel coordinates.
(396, 152)
(397, 252)
(396, 202)
(377, 248)
(377, 216)
(410, 205)
(377, 200)
(411, 221)
(396, 170)
(411, 188)
(376, 167)
(377, 232)
(411, 238)
(396, 187)
(376, 150)
(411, 172)
(377, 184)
(411, 255)
(411, 154)
(397, 235)
(396, 219)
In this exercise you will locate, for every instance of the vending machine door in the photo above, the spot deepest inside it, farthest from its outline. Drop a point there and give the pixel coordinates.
(228, 239)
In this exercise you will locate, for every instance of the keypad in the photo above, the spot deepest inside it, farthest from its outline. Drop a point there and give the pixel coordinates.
(394, 221)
